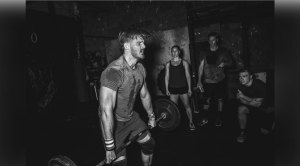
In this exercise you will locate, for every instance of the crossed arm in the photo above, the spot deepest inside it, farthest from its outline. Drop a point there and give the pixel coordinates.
(255, 102)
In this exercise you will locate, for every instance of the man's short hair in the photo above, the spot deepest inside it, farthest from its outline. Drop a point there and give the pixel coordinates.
(215, 34)
(130, 34)
(246, 70)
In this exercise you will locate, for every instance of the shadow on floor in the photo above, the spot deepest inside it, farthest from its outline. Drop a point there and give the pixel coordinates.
(78, 137)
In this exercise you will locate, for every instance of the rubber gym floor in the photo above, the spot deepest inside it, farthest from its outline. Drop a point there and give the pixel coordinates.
(73, 131)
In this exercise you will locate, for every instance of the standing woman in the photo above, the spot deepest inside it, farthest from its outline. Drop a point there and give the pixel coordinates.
(178, 82)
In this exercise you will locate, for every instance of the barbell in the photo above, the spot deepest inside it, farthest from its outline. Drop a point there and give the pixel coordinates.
(167, 118)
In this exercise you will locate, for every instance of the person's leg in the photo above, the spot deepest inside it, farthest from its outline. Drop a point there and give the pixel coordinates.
(145, 140)
(147, 147)
(220, 105)
(185, 100)
(220, 93)
(174, 98)
(208, 93)
(219, 113)
(206, 105)
(266, 119)
(242, 118)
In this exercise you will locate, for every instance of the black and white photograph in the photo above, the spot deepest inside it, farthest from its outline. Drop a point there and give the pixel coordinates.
(149, 83)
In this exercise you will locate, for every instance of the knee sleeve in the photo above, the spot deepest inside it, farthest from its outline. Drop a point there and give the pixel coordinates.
(148, 147)
(122, 162)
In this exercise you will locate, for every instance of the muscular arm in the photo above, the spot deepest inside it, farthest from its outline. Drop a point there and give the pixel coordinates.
(254, 102)
(146, 100)
(187, 74)
(167, 76)
(107, 101)
(200, 70)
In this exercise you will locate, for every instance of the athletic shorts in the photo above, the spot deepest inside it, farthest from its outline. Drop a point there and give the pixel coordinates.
(215, 90)
(178, 91)
(128, 129)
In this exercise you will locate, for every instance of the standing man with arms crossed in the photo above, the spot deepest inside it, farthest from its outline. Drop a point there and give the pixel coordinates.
(212, 68)
(121, 82)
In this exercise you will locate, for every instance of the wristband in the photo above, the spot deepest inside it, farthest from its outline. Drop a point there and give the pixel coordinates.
(151, 116)
(109, 144)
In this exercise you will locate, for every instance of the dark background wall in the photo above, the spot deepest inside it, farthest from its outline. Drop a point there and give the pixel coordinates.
(59, 28)
(50, 57)
(245, 27)
(66, 31)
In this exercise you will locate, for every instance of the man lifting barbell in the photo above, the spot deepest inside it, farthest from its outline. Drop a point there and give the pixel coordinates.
(120, 83)
(168, 119)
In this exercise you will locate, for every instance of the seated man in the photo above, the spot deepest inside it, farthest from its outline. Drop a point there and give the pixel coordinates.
(250, 94)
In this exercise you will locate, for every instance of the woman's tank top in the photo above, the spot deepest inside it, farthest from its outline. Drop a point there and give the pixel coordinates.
(177, 77)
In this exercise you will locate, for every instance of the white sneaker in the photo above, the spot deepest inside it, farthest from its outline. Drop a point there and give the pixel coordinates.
(241, 138)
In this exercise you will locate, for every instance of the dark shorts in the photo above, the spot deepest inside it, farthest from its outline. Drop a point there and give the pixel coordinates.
(215, 90)
(178, 91)
(256, 110)
(127, 130)
(262, 116)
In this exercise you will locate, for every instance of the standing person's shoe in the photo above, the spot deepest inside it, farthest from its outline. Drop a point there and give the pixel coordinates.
(203, 122)
(264, 131)
(192, 126)
(241, 138)
(218, 123)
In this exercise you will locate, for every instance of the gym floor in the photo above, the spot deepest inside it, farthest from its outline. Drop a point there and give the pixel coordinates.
(78, 137)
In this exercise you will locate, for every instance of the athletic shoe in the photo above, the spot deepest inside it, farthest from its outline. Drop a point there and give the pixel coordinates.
(192, 126)
(203, 122)
(264, 131)
(241, 138)
(218, 123)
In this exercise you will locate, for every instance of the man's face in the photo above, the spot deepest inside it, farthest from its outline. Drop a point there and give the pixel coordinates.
(212, 40)
(175, 52)
(245, 78)
(137, 47)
